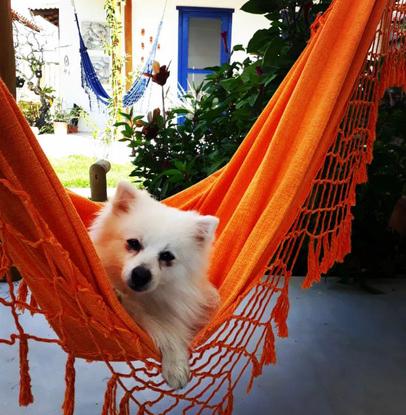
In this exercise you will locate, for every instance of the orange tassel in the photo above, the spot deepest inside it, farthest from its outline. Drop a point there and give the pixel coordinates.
(268, 352)
(22, 295)
(230, 404)
(25, 396)
(109, 406)
(125, 404)
(280, 314)
(33, 303)
(68, 406)
(256, 371)
(312, 266)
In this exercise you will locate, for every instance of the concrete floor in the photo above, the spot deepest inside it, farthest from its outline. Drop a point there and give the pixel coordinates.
(345, 355)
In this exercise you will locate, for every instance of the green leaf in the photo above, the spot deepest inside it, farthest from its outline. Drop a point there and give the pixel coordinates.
(274, 52)
(260, 41)
(261, 6)
(270, 79)
(180, 111)
(126, 115)
(230, 84)
(181, 166)
(237, 48)
(251, 100)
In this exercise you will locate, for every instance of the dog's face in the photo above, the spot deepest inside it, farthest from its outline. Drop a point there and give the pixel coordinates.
(145, 244)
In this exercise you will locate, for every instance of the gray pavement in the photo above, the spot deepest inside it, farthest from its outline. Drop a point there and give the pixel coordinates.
(345, 355)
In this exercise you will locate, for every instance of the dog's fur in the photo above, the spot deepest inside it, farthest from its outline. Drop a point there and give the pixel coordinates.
(133, 235)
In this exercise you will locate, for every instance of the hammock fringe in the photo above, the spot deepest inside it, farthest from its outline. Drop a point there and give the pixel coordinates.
(109, 405)
(280, 313)
(68, 405)
(22, 295)
(25, 396)
(125, 404)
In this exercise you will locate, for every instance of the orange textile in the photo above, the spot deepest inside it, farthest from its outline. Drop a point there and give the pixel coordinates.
(289, 187)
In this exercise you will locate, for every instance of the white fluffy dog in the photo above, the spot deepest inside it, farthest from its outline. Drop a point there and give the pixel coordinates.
(157, 259)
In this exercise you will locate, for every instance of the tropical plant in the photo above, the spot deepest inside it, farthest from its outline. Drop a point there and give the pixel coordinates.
(60, 114)
(174, 149)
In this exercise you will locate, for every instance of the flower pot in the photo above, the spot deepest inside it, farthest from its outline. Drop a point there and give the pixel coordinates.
(72, 129)
(60, 128)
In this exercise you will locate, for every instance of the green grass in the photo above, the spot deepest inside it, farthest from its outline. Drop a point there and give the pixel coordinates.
(73, 171)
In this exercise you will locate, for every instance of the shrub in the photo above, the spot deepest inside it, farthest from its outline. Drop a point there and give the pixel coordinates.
(30, 110)
(169, 155)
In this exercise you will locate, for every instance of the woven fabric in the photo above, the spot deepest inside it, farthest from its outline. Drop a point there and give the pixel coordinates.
(289, 188)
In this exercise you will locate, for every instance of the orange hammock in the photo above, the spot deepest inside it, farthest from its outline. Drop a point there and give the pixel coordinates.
(289, 187)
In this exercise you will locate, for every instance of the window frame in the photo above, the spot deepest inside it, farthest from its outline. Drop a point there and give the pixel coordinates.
(185, 13)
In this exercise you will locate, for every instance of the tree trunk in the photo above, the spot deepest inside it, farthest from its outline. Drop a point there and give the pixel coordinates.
(7, 61)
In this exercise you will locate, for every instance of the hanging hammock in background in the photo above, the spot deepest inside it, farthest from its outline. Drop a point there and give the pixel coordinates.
(288, 189)
(92, 81)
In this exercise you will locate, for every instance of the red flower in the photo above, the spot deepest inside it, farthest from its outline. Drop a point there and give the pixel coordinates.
(159, 74)
(151, 128)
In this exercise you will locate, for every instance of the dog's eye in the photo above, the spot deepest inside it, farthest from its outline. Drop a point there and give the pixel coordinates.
(134, 245)
(166, 256)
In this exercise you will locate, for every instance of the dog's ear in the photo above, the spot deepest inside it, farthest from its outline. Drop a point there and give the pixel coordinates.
(205, 228)
(124, 197)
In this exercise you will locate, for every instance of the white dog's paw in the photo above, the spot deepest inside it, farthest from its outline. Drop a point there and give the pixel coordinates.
(176, 374)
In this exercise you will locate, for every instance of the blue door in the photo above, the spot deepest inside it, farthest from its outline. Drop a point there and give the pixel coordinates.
(204, 41)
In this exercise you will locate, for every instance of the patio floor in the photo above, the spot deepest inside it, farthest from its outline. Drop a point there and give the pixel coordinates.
(345, 355)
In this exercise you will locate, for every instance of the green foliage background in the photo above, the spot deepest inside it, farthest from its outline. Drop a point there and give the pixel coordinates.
(170, 155)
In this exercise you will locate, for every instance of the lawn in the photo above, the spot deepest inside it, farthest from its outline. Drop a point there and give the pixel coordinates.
(73, 171)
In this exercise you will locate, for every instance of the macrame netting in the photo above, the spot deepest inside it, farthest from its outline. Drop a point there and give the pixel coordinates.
(288, 189)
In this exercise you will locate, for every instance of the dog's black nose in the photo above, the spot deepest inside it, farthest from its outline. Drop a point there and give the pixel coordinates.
(140, 277)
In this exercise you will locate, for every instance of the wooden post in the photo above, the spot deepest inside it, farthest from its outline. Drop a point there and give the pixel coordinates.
(98, 180)
(128, 40)
(7, 73)
(7, 59)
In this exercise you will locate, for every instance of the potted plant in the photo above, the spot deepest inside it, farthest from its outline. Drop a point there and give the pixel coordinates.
(31, 112)
(60, 120)
(74, 116)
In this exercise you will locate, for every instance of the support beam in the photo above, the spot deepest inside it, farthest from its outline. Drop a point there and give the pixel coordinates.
(128, 40)
(7, 58)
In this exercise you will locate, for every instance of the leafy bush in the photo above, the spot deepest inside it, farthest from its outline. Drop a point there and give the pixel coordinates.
(170, 155)
(30, 110)
(166, 157)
